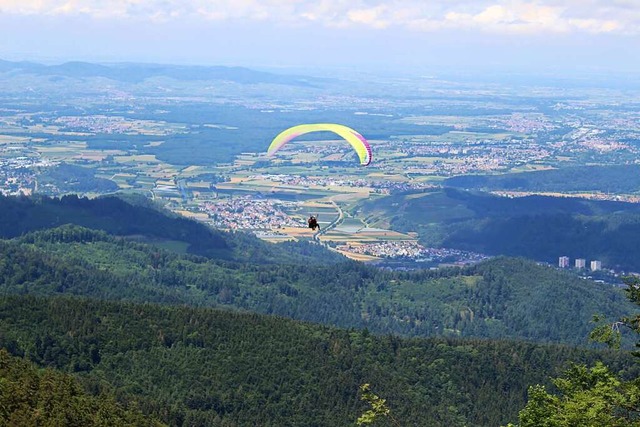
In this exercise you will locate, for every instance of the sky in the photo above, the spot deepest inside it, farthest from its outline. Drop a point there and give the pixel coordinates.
(556, 36)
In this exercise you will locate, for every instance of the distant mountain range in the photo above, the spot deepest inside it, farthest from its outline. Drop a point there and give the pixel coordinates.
(135, 73)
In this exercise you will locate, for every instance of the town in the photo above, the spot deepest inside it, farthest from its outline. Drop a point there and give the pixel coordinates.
(414, 251)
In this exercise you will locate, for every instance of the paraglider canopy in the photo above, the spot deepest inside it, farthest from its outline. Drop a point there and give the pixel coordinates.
(357, 141)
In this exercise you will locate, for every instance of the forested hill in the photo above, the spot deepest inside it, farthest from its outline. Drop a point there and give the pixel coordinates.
(79, 294)
(200, 367)
(501, 298)
(537, 227)
(139, 219)
(31, 396)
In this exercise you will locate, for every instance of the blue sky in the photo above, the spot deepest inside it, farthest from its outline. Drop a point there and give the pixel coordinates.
(563, 36)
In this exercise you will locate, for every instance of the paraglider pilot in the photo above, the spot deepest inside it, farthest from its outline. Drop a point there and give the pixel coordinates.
(313, 223)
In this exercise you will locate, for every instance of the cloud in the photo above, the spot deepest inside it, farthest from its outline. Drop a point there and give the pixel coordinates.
(495, 16)
(372, 17)
(516, 18)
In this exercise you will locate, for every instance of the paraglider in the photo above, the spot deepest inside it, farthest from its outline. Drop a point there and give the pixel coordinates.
(357, 141)
(313, 223)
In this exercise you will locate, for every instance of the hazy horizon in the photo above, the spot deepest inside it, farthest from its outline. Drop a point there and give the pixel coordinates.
(552, 36)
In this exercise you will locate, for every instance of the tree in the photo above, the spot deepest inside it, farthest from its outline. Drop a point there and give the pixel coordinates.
(590, 397)
(378, 409)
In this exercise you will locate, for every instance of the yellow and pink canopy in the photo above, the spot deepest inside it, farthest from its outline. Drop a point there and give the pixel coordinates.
(357, 141)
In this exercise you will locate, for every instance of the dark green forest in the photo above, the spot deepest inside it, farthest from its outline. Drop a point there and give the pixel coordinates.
(202, 367)
(68, 178)
(89, 289)
(501, 298)
(31, 396)
(536, 227)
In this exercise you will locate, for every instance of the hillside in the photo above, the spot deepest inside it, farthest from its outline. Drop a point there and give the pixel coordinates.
(31, 396)
(138, 219)
(200, 367)
(501, 298)
(90, 287)
(537, 227)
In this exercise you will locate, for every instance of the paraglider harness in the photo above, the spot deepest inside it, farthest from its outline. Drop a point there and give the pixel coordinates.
(313, 223)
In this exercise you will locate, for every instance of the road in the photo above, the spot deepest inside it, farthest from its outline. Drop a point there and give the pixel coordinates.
(332, 224)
